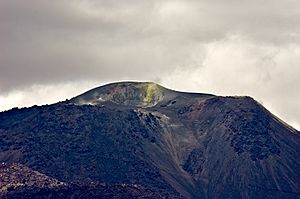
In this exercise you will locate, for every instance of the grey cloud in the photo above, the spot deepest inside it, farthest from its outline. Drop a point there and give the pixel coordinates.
(49, 41)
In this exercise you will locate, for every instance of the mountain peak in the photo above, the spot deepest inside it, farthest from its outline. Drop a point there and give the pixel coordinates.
(169, 142)
(124, 93)
(139, 94)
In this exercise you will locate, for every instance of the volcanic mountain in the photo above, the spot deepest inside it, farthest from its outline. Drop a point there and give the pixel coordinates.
(162, 142)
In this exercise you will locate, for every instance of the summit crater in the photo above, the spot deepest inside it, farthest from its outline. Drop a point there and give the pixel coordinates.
(139, 94)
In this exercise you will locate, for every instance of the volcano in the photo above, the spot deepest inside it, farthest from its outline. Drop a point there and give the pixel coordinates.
(141, 140)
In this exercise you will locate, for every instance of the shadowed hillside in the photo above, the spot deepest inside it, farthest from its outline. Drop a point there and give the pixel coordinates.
(173, 143)
(18, 181)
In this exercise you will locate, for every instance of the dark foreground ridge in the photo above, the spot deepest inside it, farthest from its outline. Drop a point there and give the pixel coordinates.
(19, 181)
(141, 140)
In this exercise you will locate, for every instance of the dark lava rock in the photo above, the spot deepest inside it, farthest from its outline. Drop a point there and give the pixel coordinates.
(144, 140)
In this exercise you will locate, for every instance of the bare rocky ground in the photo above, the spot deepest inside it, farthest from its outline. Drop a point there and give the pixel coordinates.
(18, 181)
(144, 139)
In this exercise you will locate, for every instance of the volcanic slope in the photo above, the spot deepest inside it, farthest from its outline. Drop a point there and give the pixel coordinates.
(178, 144)
(19, 181)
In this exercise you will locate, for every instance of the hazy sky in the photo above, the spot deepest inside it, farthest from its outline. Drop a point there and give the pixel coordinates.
(53, 50)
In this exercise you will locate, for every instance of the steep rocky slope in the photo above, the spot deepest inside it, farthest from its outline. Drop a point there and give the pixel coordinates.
(173, 143)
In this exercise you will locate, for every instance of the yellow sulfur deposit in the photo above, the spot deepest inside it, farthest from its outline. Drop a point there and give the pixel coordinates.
(151, 89)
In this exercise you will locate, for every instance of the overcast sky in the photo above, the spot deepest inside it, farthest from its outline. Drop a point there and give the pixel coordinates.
(53, 50)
